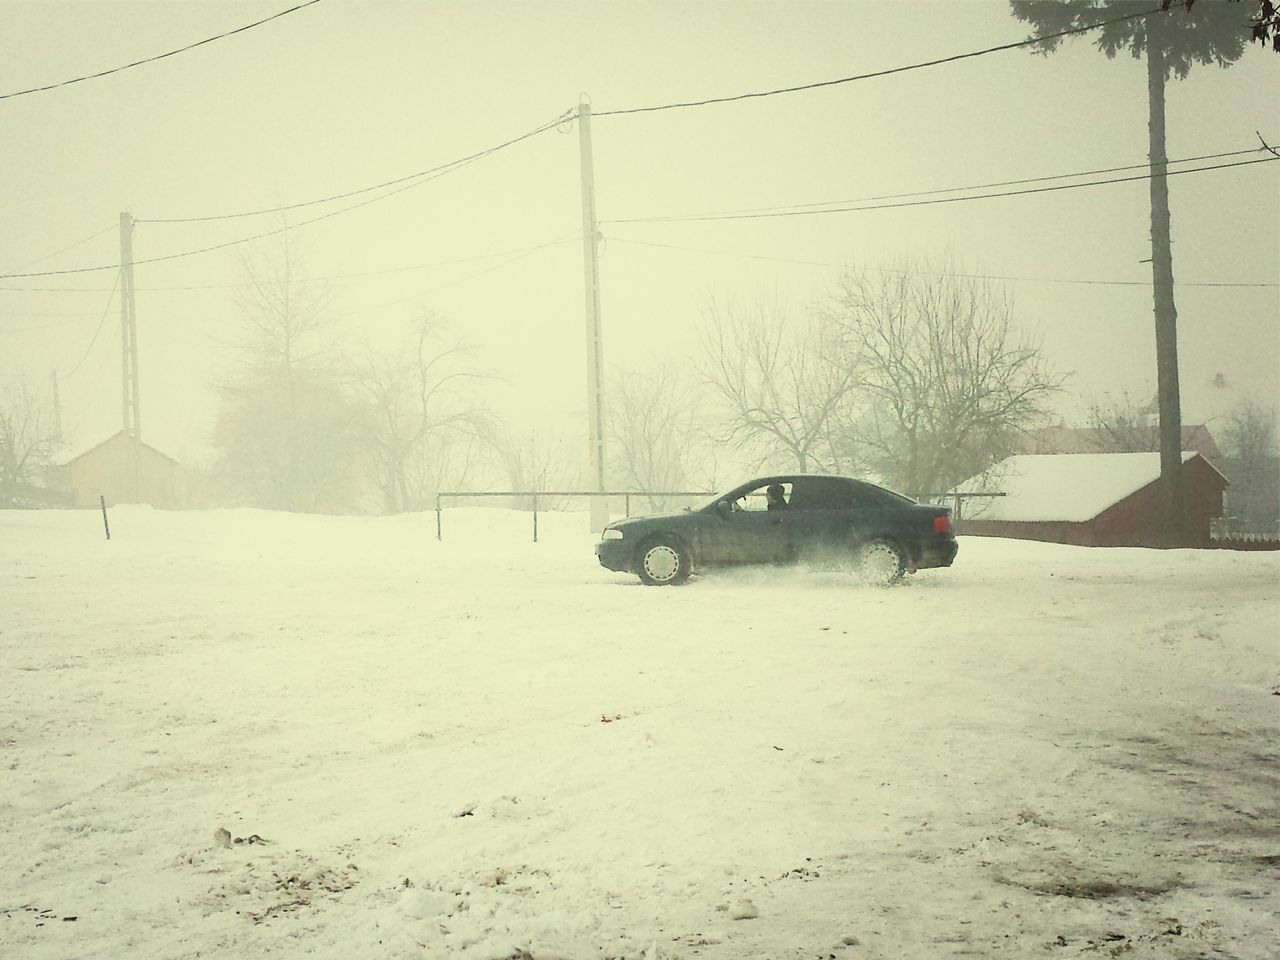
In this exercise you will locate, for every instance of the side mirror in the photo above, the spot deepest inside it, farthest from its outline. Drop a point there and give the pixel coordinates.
(724, 508)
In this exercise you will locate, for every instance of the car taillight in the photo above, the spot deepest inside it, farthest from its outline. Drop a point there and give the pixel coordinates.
(942, 524)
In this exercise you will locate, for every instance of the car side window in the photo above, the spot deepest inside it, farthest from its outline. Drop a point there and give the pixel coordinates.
(822, 493)
(757, 500)
(866, 498)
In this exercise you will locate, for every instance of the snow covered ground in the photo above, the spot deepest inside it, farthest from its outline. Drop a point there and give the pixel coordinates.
(490, 748)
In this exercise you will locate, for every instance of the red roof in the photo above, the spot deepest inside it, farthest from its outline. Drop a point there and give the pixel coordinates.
(1195, 437)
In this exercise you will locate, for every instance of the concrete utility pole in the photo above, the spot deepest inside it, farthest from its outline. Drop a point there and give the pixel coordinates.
(595, 352)
(128, 333)
(57, 410)
(129, 355)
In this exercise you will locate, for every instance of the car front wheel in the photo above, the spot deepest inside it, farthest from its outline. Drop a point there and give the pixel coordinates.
(880, 563)
(663, 562)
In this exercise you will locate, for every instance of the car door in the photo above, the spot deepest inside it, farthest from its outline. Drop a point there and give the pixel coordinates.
(819, 518)
(749, 532)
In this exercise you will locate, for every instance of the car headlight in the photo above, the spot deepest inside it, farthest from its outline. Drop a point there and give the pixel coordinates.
(611, 535)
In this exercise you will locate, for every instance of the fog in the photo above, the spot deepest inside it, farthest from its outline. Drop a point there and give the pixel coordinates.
(286, 704)
(334, 98)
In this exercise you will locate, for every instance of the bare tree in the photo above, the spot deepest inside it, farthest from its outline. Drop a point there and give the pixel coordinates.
(424, 427)
(782, 381)
(1124, 425)
(654, 419)
(539, 462)
(286, 430)
(946, 386)
(1252, 467)
(28, 440)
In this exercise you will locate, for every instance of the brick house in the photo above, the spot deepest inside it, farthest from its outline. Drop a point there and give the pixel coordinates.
(1090, 499)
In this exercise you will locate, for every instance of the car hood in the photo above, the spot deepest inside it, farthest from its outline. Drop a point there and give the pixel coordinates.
(639, 523)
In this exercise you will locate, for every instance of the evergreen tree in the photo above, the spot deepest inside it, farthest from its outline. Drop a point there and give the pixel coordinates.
(1171, 40)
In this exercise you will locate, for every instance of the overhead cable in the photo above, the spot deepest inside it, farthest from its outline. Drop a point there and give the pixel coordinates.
(517, 252)
(442, 168)
(969, 276)
(807, 212)
(987, 186)
(171, 53)
(78, 243)
(421, 179)
(105, 311)
(1031, 41)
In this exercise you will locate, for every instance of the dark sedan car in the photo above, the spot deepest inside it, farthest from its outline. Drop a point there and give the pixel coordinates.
(788, 519)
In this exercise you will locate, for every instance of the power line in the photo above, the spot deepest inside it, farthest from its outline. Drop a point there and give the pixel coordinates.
(806, 212)
(138, 63)
(102, 321)
(50, 256)
(517, 252)
(440, 171)
(520, 251)
(442, 168)
(512, 257)
(987, 186)
(969, 276)
(1031, 41)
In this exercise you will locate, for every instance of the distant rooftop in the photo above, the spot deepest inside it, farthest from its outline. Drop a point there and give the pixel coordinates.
(71, 456)
(1063, 439)
(1067, 486)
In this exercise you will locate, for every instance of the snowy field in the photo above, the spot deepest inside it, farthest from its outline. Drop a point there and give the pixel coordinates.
(490, 748)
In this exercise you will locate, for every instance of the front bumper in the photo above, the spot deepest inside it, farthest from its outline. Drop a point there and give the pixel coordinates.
(615, 555)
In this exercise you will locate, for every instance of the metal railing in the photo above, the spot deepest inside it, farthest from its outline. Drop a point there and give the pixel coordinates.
(554, 494)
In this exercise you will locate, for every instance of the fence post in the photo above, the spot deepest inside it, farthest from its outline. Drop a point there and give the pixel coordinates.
(439, 534)
(628, 505)
(535, 518)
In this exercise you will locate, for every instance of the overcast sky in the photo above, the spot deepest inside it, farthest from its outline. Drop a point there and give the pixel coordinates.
(339, 96)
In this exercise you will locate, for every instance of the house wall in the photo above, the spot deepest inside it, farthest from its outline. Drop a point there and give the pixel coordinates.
(122, 471)
(1135, 521)
(1057, 531)
(1138, 520)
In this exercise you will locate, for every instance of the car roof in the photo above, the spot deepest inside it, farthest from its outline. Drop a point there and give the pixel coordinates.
(793, 477)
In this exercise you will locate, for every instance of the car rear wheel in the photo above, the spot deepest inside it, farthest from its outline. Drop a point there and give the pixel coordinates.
(880, 563)
(663, 562)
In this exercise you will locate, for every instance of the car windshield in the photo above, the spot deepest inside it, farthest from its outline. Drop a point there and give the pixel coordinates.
(710, 504)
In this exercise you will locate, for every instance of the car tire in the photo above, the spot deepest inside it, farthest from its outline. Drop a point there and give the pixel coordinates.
(880, 563)
(663, 561)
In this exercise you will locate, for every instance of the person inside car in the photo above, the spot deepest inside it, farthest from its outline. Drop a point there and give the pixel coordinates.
(776, 496)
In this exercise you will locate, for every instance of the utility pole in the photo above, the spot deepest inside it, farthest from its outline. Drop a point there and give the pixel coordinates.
(57, 411)
(1166, 313)
(132, 428)
(595, 353)
(128, 333)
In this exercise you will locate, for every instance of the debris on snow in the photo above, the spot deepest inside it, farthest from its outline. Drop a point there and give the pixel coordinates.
(744, 909)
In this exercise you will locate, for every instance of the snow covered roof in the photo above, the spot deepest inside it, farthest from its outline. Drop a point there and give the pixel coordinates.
(1065, 486)
(71, 457)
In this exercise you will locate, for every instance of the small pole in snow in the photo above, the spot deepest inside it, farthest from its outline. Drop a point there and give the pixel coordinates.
(439, 536)
(535, 518)
(106, 526)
